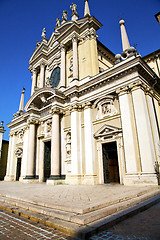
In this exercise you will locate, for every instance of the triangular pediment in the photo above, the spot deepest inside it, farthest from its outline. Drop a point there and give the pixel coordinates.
(107, 131)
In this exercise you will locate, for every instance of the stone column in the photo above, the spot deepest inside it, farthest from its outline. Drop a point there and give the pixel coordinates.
(55, 146)
(12, 158)
(76, 158)
(89, 142)
(42, 71)
(63, 66)
(25, 152)
(132, 158)
(145, 139)
(34, 81)
(75, 58)
(30, 172)
(41, 162)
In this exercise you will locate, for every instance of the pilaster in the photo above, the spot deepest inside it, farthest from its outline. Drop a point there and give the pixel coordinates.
(63, 66)
(90, 173)
(132, 158)
(75, 58)
(42, 71)
(34, 81)
(145, 139)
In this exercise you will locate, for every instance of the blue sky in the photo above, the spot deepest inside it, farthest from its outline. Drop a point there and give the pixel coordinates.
(21, 24)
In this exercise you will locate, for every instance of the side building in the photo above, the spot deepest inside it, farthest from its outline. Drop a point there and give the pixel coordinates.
(92, 117)
(3, 153)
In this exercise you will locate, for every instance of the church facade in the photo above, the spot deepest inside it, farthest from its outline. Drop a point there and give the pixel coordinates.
(92, 117)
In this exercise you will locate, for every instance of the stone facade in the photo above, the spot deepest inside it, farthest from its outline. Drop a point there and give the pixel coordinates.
(88, 120)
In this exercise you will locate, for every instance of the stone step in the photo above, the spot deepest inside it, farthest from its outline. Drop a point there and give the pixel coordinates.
(71, 222)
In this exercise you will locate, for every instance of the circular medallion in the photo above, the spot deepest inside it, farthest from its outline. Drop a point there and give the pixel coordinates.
(55, 77)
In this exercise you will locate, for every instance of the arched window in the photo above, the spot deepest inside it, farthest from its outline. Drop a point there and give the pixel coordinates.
(55, 77)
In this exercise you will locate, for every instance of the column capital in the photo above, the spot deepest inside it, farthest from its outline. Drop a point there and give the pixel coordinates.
(56, 110)
(122, 91)
(34, 70)
(74, 38)
(62, 47)
(33, 121)
(87, 105)
(42, 64)
(75, 108)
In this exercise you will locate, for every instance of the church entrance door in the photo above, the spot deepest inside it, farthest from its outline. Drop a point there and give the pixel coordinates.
(47, 160)
(18, 173)
(110, 163)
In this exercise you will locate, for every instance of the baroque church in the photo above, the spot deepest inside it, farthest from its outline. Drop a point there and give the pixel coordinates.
(93, 117)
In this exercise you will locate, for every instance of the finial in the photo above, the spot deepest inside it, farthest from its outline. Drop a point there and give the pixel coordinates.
(2, 123)
(125, 41)
(21, 105)
(86, 10)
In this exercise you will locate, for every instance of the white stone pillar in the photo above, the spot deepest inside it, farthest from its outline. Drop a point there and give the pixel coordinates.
(42, 71)
(25, 153)
(63, 66)
(75, 57)
(34, 81)
(145, 139)
(55, 146)
(129, 132)
(41, 162)
(76, 154)
(31, 150)
(89, 142)
(12, 158)
(154, 127)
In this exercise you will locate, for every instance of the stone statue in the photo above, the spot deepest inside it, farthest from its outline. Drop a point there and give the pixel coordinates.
(43, 33)
(64, 16)
(58, 22)
(73, 8)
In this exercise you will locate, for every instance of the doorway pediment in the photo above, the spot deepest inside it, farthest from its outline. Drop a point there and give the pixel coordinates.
(107, 131)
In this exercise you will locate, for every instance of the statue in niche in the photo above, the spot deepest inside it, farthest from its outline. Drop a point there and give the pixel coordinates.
(68, 144)
(58, 22)
(73, 8)
(64, 16)
(20, 134)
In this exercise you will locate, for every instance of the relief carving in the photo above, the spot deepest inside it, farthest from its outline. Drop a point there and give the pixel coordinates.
(105, 108)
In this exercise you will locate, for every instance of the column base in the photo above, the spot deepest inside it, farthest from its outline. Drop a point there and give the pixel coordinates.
(141, 179)
(90, 180)
(82, 179)
(30, 179)
(9, 178)
(57, 177)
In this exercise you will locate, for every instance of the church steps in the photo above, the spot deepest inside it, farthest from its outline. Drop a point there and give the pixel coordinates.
(93, 215)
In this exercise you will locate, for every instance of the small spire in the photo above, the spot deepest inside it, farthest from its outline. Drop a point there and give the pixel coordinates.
(21, 105)
(86, 10)
(125, 41)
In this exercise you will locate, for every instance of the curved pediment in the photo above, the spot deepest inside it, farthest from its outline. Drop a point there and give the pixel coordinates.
(42, 98)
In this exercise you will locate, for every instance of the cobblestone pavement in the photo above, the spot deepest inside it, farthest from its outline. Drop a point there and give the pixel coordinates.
(15, 227)
(143, 226)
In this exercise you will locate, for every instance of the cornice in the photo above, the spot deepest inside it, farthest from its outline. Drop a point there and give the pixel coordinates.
(127, 67)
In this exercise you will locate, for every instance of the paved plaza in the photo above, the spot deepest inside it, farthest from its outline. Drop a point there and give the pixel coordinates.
(80, 211)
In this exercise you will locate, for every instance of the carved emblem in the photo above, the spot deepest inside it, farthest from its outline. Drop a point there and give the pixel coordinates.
(105, 108)
(19, 152)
